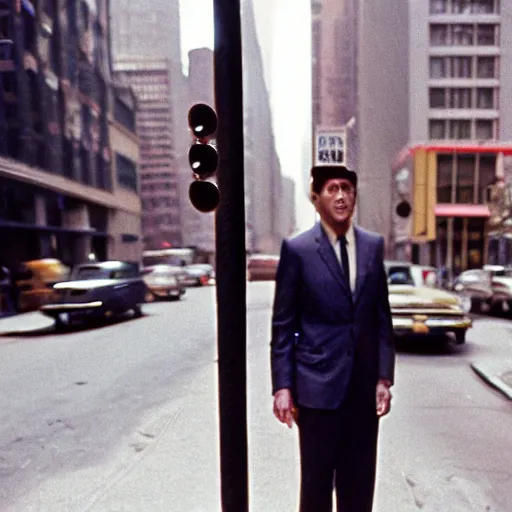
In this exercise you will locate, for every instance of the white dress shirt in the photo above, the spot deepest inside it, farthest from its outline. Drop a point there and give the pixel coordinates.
(351, 251)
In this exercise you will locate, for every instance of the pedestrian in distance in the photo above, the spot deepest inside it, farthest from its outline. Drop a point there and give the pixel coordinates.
(332, 347)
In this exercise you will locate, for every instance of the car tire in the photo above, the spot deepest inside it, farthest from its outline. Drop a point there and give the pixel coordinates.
(137, 311)
(149, 296)
(460, 337)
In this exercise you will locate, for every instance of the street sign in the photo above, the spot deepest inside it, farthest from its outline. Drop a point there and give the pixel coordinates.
(331, 145)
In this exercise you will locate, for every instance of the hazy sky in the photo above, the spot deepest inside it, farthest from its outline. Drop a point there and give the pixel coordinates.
(287, 62)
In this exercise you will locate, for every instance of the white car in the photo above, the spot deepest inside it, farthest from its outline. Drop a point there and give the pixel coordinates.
(501, 287)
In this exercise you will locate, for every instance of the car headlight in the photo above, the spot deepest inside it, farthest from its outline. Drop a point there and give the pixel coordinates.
(465, 303)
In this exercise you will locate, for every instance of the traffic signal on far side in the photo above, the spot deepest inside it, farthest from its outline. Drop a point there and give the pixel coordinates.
(203, 158)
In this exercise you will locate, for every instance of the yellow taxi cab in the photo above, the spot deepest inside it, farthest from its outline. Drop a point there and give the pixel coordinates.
(34, 282)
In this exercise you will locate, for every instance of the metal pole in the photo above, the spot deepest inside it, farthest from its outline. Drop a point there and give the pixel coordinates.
(231, 258)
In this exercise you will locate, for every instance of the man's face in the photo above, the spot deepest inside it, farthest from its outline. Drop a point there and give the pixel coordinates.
(335, 203)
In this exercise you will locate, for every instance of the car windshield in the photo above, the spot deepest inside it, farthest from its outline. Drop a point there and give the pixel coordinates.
(95, 272)
(399, 274)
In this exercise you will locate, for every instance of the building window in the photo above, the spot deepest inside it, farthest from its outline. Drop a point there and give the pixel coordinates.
(465, 178)
(462, 6)
(460, 129)
(486, 67)
(486, 35)
(487, 175)
(460, 98)
(484, 6)
(437, 129)
(462, 35)
(485, 98)
(444, 178)
(484, 129)
(437, 98)
(438, 6)
(437, 67)
(461, 67)
(126, 172)
(438, 35)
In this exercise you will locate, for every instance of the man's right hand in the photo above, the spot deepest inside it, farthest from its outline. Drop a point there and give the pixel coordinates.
(284, 408)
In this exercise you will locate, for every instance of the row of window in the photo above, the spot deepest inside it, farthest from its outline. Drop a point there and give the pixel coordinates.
(155, 175)
(452, 34)
(462, 129)
(463, 97)
(158, 221)
(464, 67)
(152, 187)
(159, 202)
(465, 178)
(126, 172)
(464, 6)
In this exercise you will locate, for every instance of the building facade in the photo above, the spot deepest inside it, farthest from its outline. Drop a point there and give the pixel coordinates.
(159, 190)
(58, 190)
(461, 118)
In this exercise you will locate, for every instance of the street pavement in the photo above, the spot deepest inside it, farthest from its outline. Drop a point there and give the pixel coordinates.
(175, 466)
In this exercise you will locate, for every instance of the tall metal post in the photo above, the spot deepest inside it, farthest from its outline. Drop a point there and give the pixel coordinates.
(231, 258)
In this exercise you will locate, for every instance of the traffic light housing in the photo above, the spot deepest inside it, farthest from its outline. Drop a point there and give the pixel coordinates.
(203, 158)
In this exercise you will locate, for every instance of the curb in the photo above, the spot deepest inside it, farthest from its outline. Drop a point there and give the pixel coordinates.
(492, 377)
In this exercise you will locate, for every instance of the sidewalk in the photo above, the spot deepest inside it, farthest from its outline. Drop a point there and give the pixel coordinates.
(24, 323)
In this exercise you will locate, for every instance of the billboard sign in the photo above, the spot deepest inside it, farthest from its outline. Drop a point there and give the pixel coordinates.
(331, 146)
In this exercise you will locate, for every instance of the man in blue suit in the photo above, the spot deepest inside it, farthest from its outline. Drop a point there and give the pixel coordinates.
(332, 351)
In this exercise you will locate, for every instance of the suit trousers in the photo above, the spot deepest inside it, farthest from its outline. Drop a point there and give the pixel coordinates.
(338, 448)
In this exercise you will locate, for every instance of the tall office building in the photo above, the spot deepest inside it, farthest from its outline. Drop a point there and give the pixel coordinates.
(59, 196)
(263, 178)
(150, 81)
(455, 168)
(149, 33)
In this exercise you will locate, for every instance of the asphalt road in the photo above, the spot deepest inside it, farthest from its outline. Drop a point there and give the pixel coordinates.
(76, 408)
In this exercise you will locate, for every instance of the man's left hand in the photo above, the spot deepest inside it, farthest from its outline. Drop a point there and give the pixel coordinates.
(383, 397)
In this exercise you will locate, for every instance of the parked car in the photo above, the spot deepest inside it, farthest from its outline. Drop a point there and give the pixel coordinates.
(262, 267)
(422, 310)
(97, 291)
(501, 286)
(477, 283)
(34, 282)
(164, 281)
(199, 274)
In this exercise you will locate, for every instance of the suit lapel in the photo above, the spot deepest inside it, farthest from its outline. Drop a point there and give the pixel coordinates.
(363, 254)
(326, 252)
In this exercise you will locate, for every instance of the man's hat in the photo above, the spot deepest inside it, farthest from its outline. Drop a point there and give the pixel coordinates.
(322, 173)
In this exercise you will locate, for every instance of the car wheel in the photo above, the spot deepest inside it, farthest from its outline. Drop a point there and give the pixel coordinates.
(149, 296)
(137, 311)
(460, 337)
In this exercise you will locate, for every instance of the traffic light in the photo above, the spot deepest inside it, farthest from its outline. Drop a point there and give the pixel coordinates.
(203, 158)
(403, 209)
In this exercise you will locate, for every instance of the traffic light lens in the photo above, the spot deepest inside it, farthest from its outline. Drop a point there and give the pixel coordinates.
(202, 120)
(204, 196)
(403, 209)
(203, 159)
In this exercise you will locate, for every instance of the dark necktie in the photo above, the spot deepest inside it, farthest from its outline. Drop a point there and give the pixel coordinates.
(344, 260)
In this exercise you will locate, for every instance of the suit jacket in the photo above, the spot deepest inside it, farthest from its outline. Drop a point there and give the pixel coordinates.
(321, 332)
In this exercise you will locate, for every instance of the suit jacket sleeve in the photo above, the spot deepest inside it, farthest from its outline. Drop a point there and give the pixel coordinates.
(386, 336)
(285, 319)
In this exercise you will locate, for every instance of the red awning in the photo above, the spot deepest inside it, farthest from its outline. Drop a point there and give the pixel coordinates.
(462, 210)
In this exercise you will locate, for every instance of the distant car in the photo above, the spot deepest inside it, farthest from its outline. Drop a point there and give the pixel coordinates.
(199, 274)
(477, 283)
(164, 281)
(97, 291)
(501, 286)
(262, 267)
(422, 310)
(34, 282)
